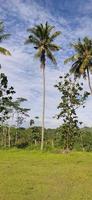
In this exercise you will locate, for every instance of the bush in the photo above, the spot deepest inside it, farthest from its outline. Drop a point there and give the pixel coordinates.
(21, 143)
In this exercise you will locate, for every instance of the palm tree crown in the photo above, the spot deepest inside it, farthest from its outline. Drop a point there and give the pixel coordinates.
(3, 37)
(42, 39)
(82, 59)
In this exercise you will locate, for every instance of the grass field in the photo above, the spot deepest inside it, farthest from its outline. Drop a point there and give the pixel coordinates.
(27, 175)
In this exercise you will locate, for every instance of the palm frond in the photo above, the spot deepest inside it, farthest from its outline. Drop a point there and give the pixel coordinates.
(75, 70)
(47, 30)
(54, 47)
(50, 28)
(1, 27)
(42, 39)
(4, 37)
(38, 54)
(78, 46)
(54, 35)
(71, 59)
(40, 30)
(51, 56)
(5, 51)
(36, 33)
(84, 65)
(32, 40)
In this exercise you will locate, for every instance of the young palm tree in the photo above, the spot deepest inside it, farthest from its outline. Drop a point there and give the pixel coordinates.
(42, 37)
(82, 60)
(3, 37)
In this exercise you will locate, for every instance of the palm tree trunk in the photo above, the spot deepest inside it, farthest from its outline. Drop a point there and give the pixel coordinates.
(43, 109)
(89, 81)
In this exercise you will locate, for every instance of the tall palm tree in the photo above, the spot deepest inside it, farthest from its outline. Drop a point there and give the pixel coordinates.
(3, 37)
(82, 59)
(42, 37)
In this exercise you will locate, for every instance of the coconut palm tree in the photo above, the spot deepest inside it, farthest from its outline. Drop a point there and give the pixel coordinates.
(82, 59)
(42, 37)
(3, 37)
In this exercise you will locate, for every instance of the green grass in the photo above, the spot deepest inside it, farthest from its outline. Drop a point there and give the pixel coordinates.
(27, 175)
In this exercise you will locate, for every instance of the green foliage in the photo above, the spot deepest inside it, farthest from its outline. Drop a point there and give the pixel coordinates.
(42, 38)
(82, 59)
(5, 97)
(35, 134)
(21, 143)
(86, 139)
(72, 97)
(3, 36)
(54, 138)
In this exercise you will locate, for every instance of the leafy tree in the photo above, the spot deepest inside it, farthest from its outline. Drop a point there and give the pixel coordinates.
(20, 112)
(42, 38)
(35, 134)
(86, 139)
(3, 36)
(5, 97)
(72, 97)
(82, 59)
(50, 137)
(23, 139)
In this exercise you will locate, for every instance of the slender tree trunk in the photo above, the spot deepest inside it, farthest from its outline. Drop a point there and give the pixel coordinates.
(16, 137)
(43, 108)
(3, 136)
(89, 81)
(9, 132)
(67, 146)
(35, 142)
(9, 137)
(5, 142)
(52, 143)
(67, 143)
(83, 149)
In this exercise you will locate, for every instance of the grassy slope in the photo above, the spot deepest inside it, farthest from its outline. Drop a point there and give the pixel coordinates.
(26, 175)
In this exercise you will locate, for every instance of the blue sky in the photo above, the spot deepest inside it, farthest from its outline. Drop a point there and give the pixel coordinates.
(74, 19)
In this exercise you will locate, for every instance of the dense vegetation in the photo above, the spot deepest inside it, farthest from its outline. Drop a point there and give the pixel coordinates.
(54, 138)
